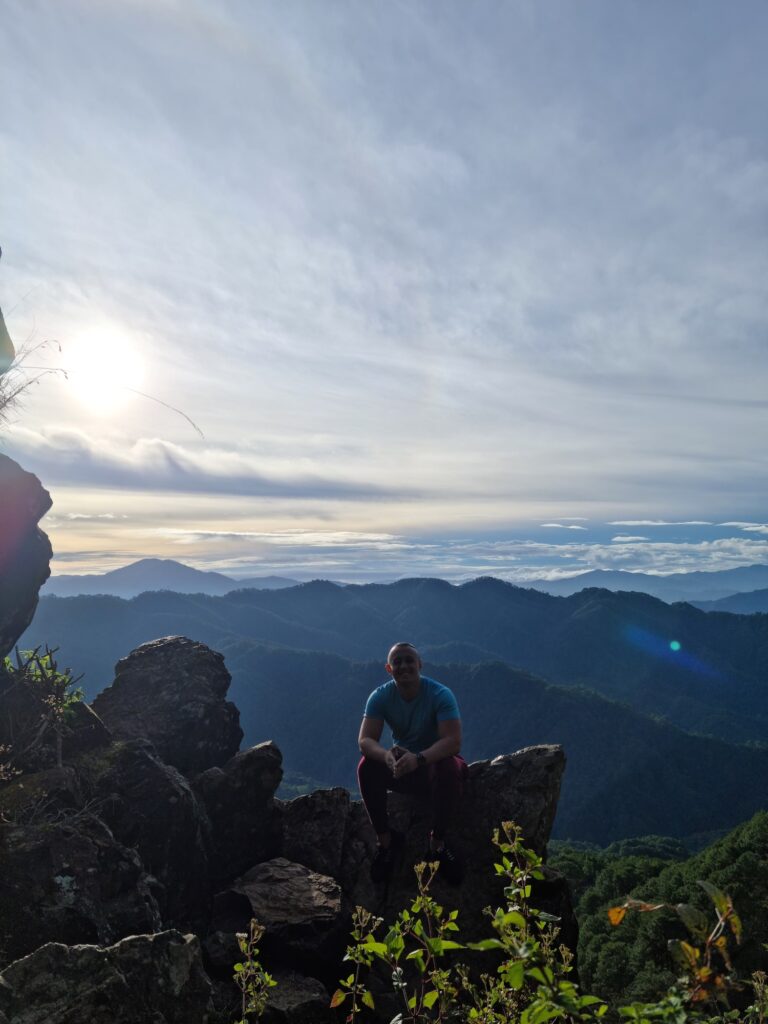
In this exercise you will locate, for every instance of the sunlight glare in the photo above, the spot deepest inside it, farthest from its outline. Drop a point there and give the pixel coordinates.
(103, 363)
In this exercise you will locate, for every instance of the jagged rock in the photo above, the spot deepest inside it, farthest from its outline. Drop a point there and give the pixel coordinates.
(150, 806)
(300, 910)
(69, 880)
(142, 979)
(25, 551)
(171, 692)
(313, 829)
(298, 1000)
(238, 800)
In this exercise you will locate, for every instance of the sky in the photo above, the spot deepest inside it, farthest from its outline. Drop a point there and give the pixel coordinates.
(364, 290)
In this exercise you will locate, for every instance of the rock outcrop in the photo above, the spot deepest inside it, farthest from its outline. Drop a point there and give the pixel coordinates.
(238, 800)
(300, 909)
(157, 978)
(171, 692)
(25, 551)
(69, 880)
(150, 807)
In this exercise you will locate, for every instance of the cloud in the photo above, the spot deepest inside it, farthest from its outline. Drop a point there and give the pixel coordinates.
(561, 526)
(749, 527)
(658, 522)
(71, 456)
(619, 538)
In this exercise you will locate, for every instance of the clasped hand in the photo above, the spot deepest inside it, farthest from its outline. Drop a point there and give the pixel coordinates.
(401, 762)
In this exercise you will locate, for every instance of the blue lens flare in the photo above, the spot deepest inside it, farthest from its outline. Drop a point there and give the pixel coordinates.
(667, 650)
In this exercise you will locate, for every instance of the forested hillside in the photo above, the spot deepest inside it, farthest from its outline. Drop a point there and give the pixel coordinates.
(704, 672)
(631, 961)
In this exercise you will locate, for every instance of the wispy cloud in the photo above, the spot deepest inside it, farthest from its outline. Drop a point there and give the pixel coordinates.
(74, 457)
(562, 526)
(659, 522)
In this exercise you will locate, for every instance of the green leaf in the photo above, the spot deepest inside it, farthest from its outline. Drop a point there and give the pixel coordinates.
(514, 974)
(430, 999)
(450, 944)
(338, 998)
(717, 896)
(238, 968)
(368, 1000)
(486, 944)
(514, 917)
(695, 920)
(418, 957)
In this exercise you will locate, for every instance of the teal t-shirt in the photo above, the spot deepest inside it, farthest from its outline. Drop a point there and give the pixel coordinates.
(413, 723)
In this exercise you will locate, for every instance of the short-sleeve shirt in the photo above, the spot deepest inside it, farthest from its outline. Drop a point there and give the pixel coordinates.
(413, 723)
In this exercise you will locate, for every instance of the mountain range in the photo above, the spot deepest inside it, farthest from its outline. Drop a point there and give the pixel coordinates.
(167, 574)
(157, 574)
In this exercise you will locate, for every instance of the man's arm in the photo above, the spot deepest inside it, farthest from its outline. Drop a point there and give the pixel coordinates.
(368, 741)
(447, 744)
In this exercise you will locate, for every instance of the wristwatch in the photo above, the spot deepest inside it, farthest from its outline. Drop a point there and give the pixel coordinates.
(420, 759)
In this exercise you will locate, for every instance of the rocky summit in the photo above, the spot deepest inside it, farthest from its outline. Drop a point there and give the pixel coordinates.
(137, 840)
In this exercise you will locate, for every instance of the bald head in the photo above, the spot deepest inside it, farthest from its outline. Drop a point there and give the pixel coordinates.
(403, 646)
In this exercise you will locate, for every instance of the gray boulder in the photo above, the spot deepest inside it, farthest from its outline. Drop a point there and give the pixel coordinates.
(172, 692)
(68, 880)
(142, 979)
(300, 909)
(298, 999)
(238, 800)
(314, 829)
(150, 807)
(25, 551)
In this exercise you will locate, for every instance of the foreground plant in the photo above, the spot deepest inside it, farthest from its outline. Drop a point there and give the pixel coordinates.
(531, 983)
(54, 689)
(250, 977)
(418, 950)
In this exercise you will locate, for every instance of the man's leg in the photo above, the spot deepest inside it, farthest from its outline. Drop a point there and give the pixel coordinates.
(446, 783)
(374, 779)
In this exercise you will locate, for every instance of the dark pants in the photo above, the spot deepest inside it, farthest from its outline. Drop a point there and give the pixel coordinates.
(439, 784)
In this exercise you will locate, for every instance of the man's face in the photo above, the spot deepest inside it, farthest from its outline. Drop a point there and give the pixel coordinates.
(404, 665)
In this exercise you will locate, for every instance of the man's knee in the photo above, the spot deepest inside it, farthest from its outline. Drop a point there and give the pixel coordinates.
(369, 770)
(448, 773)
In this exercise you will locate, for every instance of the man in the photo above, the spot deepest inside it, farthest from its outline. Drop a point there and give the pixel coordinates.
(426, 731)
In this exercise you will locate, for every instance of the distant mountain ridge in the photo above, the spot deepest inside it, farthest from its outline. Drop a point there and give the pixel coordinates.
(684, 586)
(749, 603)
(167, 574)
(149, 574)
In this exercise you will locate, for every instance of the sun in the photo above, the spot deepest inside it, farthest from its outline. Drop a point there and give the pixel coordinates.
(103, 363)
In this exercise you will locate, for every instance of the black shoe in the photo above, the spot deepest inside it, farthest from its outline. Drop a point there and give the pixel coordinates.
(387, 856)
(451, 868)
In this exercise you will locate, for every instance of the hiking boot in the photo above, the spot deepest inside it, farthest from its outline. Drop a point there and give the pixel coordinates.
(451, 868)
(387, 856)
